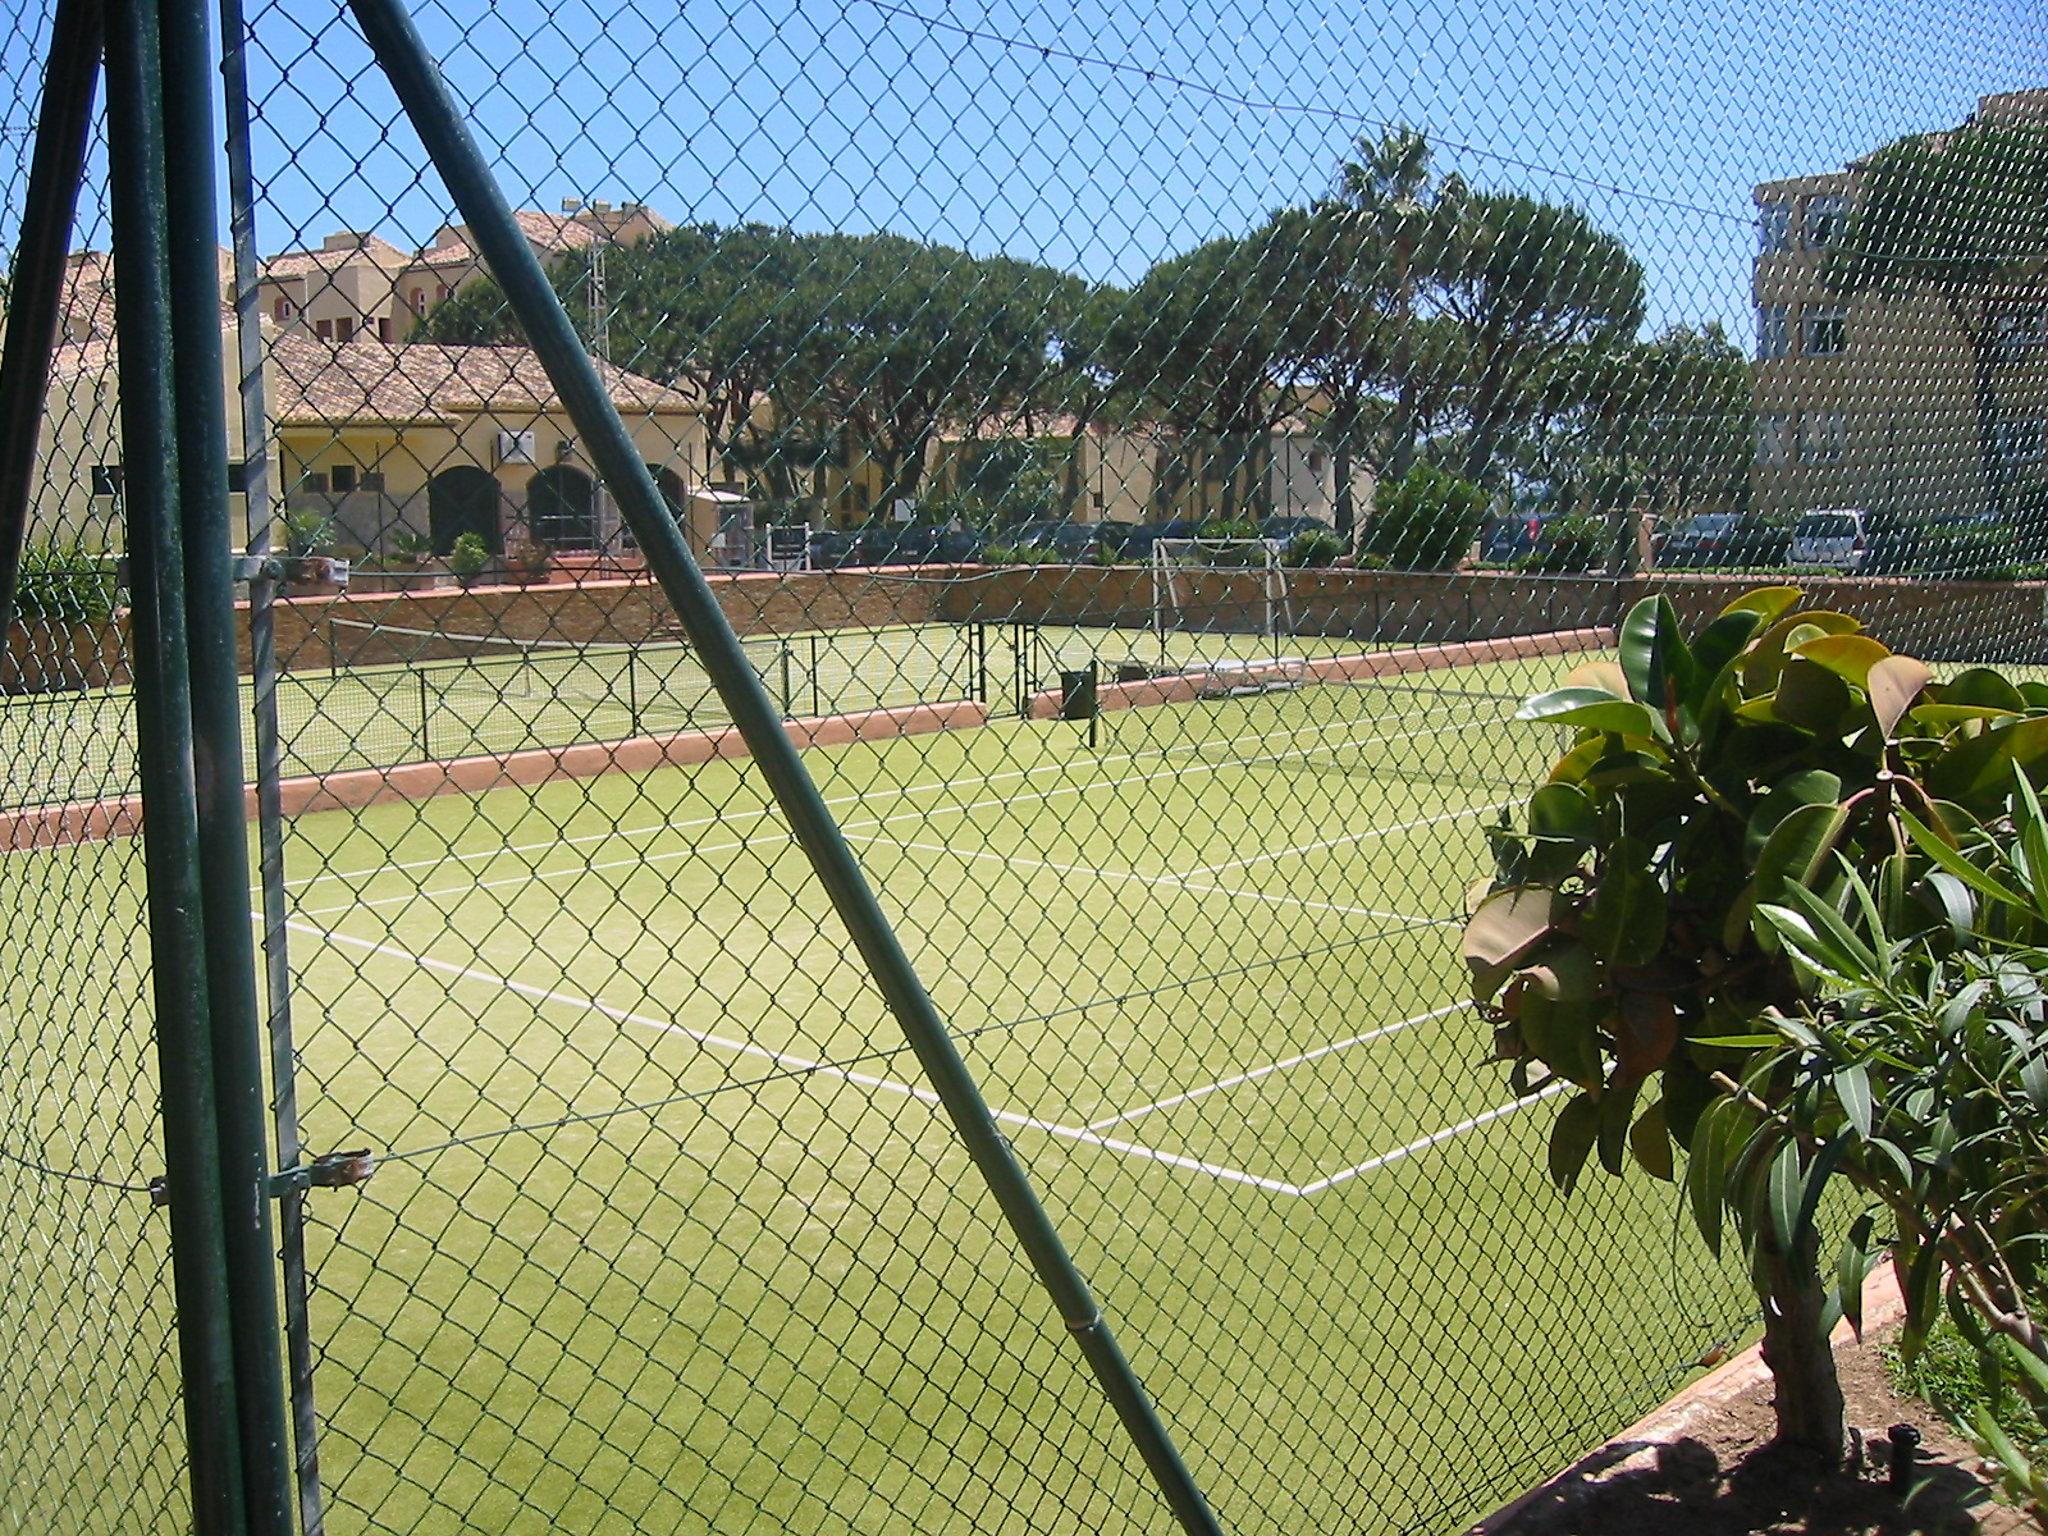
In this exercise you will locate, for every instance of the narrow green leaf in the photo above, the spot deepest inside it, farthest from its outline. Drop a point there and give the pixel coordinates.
(1704, 1170)
(1852, 1088)
(1787, 1184)
(1949, 899)
(1852, 1268)
(1937, 848)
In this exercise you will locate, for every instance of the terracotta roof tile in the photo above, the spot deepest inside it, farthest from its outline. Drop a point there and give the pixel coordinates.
(373, 381)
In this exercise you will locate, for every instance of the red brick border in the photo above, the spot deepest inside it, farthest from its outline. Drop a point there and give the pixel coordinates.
(91, 820)
(1181, 687)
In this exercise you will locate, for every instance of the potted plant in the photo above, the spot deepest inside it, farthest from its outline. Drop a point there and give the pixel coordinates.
(468, 560)
(308, 569)
(1631, 949)
(527, 559)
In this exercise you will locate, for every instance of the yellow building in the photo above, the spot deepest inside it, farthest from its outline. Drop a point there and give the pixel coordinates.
(1133, 473)
(360, 284)
(1870, 403)
(439, 441)
(380, 440)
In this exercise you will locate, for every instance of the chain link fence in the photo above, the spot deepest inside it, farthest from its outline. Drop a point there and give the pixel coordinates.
(1143, 456)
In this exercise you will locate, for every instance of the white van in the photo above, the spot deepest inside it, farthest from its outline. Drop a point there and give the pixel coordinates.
(1835, 538)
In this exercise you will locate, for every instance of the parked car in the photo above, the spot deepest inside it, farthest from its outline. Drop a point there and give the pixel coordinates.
(960, 546)
(1137, 545)
(1280, 531)
(1068, 541)
(1504, 540)
(1831, 538)
(1705, 538)
(830, 548)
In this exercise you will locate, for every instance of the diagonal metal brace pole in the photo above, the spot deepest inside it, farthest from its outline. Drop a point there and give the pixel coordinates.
(36, 288)
(424, 96)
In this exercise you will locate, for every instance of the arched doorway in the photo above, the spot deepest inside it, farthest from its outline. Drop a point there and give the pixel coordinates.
(463, 499)
(670, 484)
(561, 508)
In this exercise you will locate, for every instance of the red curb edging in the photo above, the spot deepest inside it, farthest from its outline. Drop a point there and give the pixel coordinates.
(1186, 686)
(1883, 1306)
(94, 820)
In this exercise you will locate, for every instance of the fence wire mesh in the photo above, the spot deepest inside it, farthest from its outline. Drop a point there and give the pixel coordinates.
(1147, 453)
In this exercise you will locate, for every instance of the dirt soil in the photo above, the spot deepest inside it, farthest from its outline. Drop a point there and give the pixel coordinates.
(1723, 1478)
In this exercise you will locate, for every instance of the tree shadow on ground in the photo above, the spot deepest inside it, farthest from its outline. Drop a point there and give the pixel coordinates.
(1683, 1490)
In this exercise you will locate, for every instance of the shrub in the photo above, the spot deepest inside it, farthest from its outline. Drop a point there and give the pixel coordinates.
(527, 557)
(307, 532)
(411, 547)
(1426, 520)
(1312, 549)
(1630, 945)
(65, 582)
(469, 558)
(1570, 545)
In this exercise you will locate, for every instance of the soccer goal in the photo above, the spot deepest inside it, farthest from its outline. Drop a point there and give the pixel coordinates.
(1219, 587)
(1224, 587)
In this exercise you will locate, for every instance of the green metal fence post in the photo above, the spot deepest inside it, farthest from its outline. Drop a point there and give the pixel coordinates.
(191, 143)
(425, 99)
(257, 503)
(36, 286)
(139, 196)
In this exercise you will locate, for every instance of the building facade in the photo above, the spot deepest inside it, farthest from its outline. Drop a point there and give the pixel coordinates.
(1872, 402)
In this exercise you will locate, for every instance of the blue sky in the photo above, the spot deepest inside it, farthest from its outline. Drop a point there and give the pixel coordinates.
(1009, 125)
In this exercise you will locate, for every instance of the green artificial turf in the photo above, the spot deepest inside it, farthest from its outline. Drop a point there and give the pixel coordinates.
(668, 1234)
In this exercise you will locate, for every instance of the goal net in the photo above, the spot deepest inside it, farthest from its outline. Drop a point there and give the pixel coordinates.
(1219, 587)
(1223, 588)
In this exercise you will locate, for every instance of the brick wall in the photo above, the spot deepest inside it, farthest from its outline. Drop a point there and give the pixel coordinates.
(1938, 621)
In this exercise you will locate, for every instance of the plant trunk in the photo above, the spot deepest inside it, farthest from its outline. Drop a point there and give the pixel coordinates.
(1340, 466)
(1795, 1347)
(1986, 393)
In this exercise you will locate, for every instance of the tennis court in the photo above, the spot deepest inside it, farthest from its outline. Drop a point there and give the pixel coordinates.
(652, 1155)
(444, 694)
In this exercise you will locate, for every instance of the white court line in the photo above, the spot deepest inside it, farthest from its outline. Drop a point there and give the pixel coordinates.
(793, 1063)
(1424, 1143)
(1168, 882)
(783, 1059)
(856, 797)
(783, 835)
(1241, 1078)
(1340, 841)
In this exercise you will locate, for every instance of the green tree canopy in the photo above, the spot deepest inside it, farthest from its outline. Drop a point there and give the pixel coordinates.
(1526, 281)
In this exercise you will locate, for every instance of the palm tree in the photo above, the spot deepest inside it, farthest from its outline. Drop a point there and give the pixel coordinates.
(1390, 181)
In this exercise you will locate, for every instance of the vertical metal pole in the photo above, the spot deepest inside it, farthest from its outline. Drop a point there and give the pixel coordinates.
(785, 678)
(633, 689)
(36, 285)
(291, 1212)
(426, 745)
(191, 144)
(455, 155)
(199, 1268)
(817, 700)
